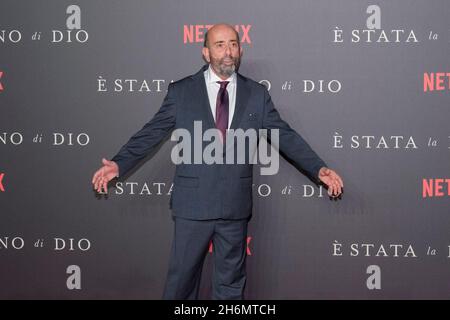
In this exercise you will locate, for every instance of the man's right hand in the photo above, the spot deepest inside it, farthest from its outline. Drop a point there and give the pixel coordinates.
(109, 171)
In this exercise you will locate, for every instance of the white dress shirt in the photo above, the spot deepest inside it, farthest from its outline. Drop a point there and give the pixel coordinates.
(213, 89)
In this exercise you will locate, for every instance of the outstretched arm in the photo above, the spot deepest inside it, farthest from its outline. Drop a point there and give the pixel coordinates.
(299, 151)
(140, 144)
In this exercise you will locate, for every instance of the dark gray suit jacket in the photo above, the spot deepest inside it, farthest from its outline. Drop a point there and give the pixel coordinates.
(214, 191)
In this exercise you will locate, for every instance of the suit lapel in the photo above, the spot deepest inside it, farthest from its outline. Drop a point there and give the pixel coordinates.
(202, 97)
(242, 94)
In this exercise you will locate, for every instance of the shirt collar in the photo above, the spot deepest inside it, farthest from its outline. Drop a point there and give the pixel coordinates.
(212, 77)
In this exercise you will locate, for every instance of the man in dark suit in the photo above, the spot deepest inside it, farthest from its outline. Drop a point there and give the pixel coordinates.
(213, 202)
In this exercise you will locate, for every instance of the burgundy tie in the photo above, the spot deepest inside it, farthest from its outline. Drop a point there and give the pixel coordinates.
(222, 109)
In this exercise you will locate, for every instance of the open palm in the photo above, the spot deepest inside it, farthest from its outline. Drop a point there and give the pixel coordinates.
(102, 176)
(332, 180)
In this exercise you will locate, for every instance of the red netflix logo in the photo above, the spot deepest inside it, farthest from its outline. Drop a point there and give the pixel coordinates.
(1, 87)
(438, 81)
(2, 189)
(249, 253)
(196, 33)
(435, 187)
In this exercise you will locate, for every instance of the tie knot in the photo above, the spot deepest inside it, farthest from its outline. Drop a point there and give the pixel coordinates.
(223, 84)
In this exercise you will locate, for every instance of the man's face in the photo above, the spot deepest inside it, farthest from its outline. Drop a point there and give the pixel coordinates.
(223, 51)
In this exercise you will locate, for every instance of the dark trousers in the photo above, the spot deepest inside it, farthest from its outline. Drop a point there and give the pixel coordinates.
(189, 248)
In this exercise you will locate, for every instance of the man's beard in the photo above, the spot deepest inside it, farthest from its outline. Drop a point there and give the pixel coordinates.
(226, 70)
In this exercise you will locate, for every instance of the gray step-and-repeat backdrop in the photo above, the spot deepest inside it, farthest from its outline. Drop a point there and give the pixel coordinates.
(366, 83)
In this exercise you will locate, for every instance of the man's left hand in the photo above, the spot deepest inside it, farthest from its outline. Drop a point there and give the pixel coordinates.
(332, 180)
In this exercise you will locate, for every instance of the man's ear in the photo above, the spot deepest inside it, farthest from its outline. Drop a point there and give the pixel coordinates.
(241, 51)
(205, 53)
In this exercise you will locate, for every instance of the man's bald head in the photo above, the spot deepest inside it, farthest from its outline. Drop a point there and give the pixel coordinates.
(216, 28)
(222, 50)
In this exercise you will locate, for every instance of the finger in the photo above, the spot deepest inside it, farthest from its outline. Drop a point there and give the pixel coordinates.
(105, 186)
(330, 187)
(98, 181)
(341, 191)
(99, 185)
(337, 184)
(96, 174)
(336, 189)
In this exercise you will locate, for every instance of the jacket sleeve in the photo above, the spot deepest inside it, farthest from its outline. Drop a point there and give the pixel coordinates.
(291, 144)
(147, 139)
